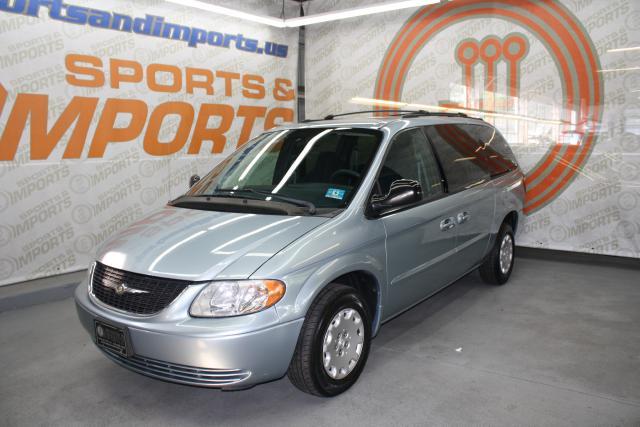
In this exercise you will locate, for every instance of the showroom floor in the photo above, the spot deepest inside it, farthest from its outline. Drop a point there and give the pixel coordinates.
(558, 345)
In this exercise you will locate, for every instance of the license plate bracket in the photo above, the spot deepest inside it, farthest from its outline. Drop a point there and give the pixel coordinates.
(112, 338)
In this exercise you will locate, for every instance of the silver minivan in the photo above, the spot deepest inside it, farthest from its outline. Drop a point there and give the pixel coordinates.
(290, 254)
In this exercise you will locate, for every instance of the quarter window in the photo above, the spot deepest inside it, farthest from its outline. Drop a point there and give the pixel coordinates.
(501, 147)
(493, 149)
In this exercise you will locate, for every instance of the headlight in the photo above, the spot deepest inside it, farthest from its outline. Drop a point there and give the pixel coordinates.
(234, 298)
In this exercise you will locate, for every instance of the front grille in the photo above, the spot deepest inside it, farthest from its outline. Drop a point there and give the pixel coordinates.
(147, 295)
(182, 374)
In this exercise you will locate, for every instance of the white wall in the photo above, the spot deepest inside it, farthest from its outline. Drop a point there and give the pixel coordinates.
(82, 200)
(55, 211)
(599, 210)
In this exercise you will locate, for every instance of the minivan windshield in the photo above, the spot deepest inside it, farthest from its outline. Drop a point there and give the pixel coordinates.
(312, 167)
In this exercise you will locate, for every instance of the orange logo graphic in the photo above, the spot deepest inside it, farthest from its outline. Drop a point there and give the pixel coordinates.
(565, 40)
(30, 111)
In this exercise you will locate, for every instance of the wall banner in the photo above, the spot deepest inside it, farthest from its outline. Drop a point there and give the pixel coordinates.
(553, 76)
(106, 113)
(568, 44)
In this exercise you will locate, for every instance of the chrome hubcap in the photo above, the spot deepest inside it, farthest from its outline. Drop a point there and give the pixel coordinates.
(506, 253)
(343, 343)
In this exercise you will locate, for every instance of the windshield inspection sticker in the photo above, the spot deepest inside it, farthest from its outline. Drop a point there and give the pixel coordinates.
(335, 193)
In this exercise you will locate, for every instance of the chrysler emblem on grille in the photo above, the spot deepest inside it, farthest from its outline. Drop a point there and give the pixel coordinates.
(123, 288)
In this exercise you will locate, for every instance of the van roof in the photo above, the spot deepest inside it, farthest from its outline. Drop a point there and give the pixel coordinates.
(376, 122)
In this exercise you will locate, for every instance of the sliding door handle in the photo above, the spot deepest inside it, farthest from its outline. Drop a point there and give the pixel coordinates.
(447, 223)
(463, 217)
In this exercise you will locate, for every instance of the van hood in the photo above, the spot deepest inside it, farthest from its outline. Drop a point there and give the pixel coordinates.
(202, 245)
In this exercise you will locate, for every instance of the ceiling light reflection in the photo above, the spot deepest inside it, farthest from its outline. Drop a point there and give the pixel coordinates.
(613, 70)
(378, 102)
(624, 49)
(256, 231)
(299, 159)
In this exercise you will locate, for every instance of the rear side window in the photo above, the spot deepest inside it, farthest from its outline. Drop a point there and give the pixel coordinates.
(462, 156)
(501, 147)
(493, 149)
(410, 157)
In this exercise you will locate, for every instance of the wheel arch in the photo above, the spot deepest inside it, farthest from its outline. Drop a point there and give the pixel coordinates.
(367, 278)
(368, 287)
(512, 219)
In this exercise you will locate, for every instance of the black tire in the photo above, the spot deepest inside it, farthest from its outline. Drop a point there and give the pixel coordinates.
(306, 370)
(490, 270)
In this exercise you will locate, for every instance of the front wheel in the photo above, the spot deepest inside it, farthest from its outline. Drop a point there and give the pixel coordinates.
(497, 268)
(334, 343)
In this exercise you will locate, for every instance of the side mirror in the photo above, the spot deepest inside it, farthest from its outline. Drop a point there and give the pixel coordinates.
(403, 192)
(193, 180)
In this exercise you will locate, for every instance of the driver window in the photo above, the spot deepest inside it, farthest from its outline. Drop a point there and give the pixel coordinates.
(410, 157)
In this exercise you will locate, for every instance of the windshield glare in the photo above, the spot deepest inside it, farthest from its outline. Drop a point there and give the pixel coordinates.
(323, 166)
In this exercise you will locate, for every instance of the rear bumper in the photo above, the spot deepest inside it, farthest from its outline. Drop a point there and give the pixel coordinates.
(201, 357)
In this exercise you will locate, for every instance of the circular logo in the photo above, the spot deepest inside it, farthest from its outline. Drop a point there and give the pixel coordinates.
(146, 168)
(632, 22)
(628, 171)
(626, 229)
(558, 233)
(80, 184)
(83, 244)
(76, 31)
(627, 201)
(560, 207)
(575, 57)
(6, 268)
(148, 196)
(4, 201)
(81, 214)
(629, 142)
(5, 235)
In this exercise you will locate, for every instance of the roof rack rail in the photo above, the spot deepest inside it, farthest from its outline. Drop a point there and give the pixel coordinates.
(398, 112)
(436, 113)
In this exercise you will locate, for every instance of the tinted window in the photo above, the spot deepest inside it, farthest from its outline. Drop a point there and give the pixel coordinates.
(500, 145)
(321, 165)
(493, 149)
(463, 155)
(410, 157)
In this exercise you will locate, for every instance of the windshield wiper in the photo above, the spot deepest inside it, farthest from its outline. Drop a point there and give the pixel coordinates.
(222, 202)
(310, 206)
(226, 193)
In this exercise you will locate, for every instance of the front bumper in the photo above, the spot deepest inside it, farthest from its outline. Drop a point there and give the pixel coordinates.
(201, 352)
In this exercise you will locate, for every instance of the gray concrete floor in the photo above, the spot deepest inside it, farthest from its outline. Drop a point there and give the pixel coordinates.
(558, 345)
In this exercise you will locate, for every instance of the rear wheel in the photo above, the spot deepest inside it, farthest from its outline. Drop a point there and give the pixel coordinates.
(497, 268)
(334, 343)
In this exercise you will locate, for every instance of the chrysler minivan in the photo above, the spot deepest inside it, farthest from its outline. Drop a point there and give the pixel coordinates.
(289, 255)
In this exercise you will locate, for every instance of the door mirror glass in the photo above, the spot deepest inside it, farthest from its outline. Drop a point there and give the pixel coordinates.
(403, 192)
(193, 180)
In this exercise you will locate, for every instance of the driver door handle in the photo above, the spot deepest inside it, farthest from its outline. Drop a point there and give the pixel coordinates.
(463, 217)
(447, 223)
